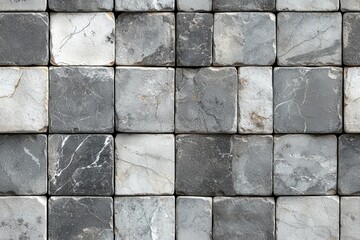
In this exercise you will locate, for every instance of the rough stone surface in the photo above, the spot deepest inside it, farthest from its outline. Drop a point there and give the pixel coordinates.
(89, 218)
(223, 165)
(244, 218)
(75, 35)
(144, 5)
(81, 99)
(23, 99)
(351, 100)
(206, 100)
(23, 5)
(193, 218)
(309, 39)
(24, 38)
(255, 106)
(198, 5)
(349, 165)
(81, 5)
(351, 38)
(244, 5)
(307, 5)
(23, 218)
(307, 218)
(23, 165)
(350, 218)
(81, 165)
(305, 165)
(308, 100)
(145, 39)
(145, 218)
(350, 5)
(144, 100)
(244, 39)
(145, 164)
(194, 39)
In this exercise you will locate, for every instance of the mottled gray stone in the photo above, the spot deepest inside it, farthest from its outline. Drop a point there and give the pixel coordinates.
(307, 5)
(81, 99)
(305, 165)
(145, 39)
(23, 5)
(350, 5)
(191, 5)
(351, 39)
(81, 5)
(307, 218)
(349, 164)
(144, 5)
(89, 218)
(145, 218)
(308, 100)
(206, 100)
(23, 218)
(81, 164)
(244, 39)
(350, 218)
(23, 164)
(244, 218)
(244, 5)
(193, 218)
(144, 99)
(223, 165)
(351, 100)
(309, 39)
(194, 33)
(24, 38)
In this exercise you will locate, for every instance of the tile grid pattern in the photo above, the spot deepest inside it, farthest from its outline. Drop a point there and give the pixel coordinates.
(146, 101)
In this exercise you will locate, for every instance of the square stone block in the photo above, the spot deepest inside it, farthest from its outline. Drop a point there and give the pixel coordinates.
(308, 100)
(307, 218)
(305, 165)
(244, 218)
(81, 164)
(144, 5)
(23, 5)
(244, 38)
(194, 34)
(351, 39)
(145, 39)
(82, 38)
(144, 99)
(23, 165)
(307, 5)
(194, 218)
(198, 5)
(223, 165)
(349, 164)
(23, 218)
(89, 218)
(309, 39)
(244, 5)
(81, 99)
(144, 218)
(350, 218)
(23, 99)
(350, 5)
(24, 38)
(81, 5)
(255, 106)
(145, 164)
(351, 100)
(206, 100)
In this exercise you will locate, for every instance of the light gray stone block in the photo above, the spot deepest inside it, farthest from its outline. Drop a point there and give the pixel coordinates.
(81, 5)
(23, 5)
(244, 5)
(307, 218)
(308, 100)
(144, 99)
(145, 218)
(307, 5)
(351, 39)
(350, 218)
(309, 39)
(144, 5)
(305, 165)
(351, 100)
(193, 218)
(350, 5)
(244, 39)
(198, 5)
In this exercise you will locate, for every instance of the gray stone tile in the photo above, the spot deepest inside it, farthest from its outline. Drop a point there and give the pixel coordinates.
(307, 218)
(89, 218)
(350, 218)
(244, 218)
(24, 5)
(144, 218)
(351, 98)
(23, 218)
(350, 5)
(81, 164)
(351, 39)
(145, 39)
(24, 38)
(307, 5)
(144, 99)
(198, 5)
(309, 39)
(193, 218)
(144, 5)
(81, 5)
(194, 34)
(244, 5)
(206, 100)
(305, 165)
(308, 100)
(236, 43)
(81, 99)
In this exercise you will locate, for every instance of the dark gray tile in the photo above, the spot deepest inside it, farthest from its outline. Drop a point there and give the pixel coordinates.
(244, 5)
(81, 5)
(351, 39)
